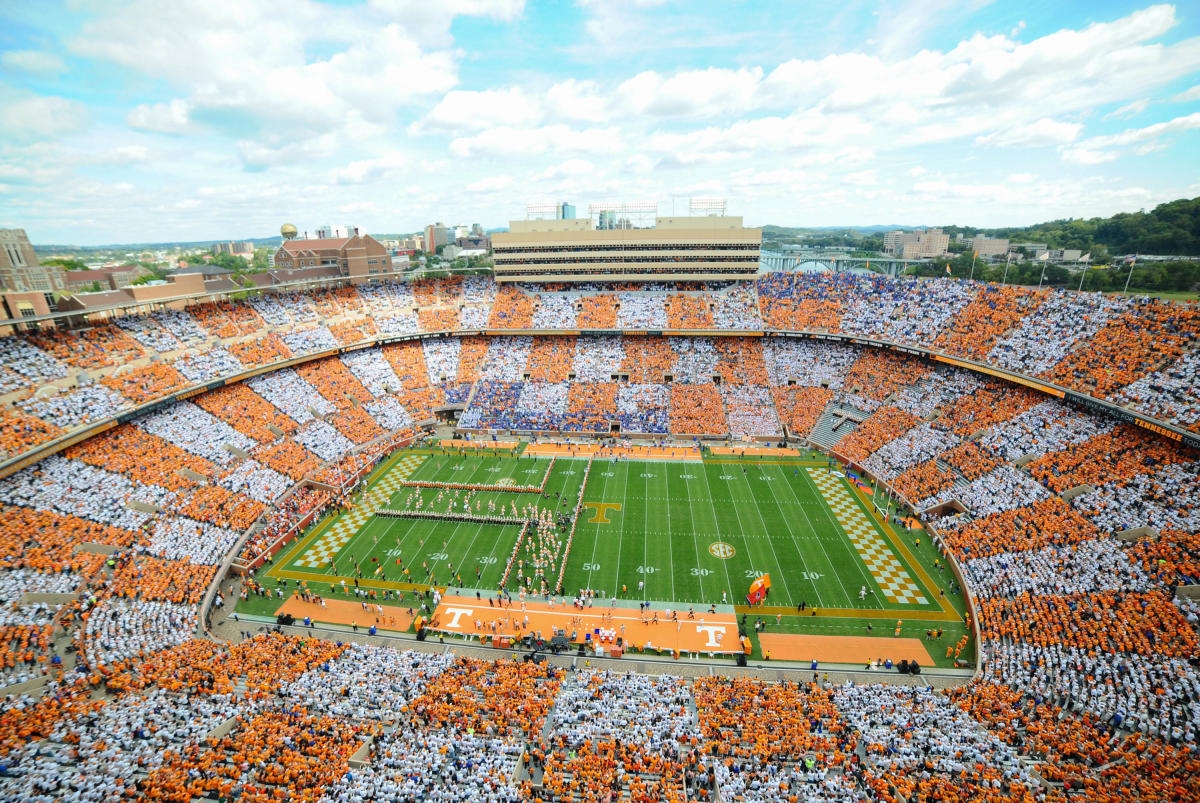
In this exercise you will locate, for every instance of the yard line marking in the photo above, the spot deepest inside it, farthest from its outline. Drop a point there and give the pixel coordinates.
(716, 524)
(753, 502)
(898, 587)
(834, 569)
(596, 535)
(670, 540)
(791, 533)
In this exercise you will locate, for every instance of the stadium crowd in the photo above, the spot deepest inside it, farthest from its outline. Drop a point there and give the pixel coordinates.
(1072, 530)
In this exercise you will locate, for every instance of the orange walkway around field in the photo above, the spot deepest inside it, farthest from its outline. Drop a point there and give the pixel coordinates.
(450, 443)
(602, 452)
(843, 649)
(757, 451)
(708, 632)
(344, 612)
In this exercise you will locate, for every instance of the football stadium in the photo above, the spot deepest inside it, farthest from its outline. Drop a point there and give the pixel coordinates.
(860, 536)
(826, 429)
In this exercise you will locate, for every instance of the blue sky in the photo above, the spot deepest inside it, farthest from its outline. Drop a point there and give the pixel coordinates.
(198, 119)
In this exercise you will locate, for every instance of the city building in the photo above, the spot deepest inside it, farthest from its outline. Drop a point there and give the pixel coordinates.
(480, 241)
(20, 270)
(916, 244)
(233, 247)
(707, 248)
(109, 278)
(566, 211)
(1027, 250)
(358, 256)
(988, 246)
(454, 251)
(1065, 254)
(436, 235)
(415, 243)
(477, 229)
(328, 232)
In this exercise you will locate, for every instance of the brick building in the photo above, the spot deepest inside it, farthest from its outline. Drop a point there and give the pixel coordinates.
(357, 257)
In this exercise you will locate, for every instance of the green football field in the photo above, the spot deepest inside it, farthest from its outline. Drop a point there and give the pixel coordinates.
(679, 532)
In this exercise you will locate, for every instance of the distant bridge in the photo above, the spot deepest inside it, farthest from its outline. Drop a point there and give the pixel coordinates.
(833, 261)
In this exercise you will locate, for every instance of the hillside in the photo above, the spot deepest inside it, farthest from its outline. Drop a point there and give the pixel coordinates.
(1172, 228)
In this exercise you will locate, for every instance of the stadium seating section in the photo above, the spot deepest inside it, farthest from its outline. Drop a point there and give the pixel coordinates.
(1072, 530)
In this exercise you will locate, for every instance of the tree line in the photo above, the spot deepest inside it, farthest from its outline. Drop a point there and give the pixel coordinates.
(1176, 277)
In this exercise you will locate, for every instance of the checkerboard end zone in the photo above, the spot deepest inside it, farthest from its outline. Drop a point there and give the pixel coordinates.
(331, 542)
(897, 585)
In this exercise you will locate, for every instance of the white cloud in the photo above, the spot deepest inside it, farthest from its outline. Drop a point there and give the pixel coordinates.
(1132, 136)
(365, 171)
(507, 141)
(32, 118)
(491, 184)
(430, 21)
(1095, 150)
(1189, 95)
(577, 100)
(171, 117)
(1021, 178)
(1038, 133)
(992, 89)
(470, 110)
(902, 26)
(862, 178)
(237, 79)
(1087, 156)
(38, 62)
(692, 92)
(1129, 109)
(123, 155)
(571, 167)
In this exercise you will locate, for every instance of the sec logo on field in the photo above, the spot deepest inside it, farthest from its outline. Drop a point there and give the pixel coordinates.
(720, 549)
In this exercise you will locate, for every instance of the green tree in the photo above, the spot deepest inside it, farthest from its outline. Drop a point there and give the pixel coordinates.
(65, 263)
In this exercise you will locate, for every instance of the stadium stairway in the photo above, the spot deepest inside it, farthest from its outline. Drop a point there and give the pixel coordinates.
(959, 480)
(824, 432)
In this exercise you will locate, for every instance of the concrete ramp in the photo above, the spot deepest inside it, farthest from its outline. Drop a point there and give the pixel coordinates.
(96, 549)
(1078, 490)
(1137, 534)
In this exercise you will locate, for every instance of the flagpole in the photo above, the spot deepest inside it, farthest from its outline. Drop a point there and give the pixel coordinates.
(1043, 278)
(973, 258)
(1086, 267)
(1007, 262)
(1132, 262)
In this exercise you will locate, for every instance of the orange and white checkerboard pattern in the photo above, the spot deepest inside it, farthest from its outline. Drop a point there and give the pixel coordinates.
(893, 579)
(332, 540)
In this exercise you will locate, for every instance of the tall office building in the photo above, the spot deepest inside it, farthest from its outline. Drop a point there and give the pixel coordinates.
(917, 244)
(436, 235)
(565, 211)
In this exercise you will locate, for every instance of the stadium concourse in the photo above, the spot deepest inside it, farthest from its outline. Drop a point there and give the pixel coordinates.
(1075, 531)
